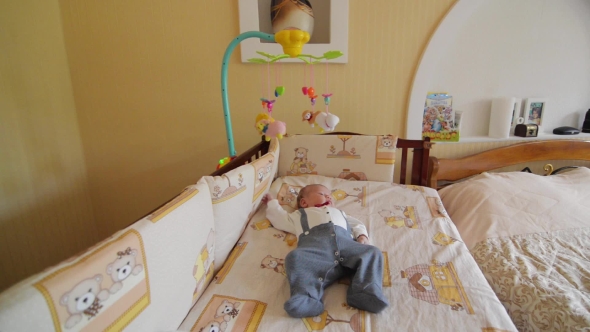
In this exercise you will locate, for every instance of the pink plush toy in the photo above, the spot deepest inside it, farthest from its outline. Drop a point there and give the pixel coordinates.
(275, 129)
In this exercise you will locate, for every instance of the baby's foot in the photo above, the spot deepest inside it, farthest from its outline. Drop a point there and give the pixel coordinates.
(300, 306)
(370, 299)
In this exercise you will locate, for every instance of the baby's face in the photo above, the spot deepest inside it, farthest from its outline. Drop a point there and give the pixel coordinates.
(317, 195)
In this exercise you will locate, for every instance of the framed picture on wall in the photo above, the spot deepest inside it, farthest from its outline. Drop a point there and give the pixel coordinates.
(516, 115)
(329, 26)
(534, 110)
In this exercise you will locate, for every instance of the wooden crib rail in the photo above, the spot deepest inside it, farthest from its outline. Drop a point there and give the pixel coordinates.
(421, 152)
(247, 157)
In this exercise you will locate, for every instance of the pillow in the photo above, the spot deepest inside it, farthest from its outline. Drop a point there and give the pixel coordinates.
(504, 204)
(354, 157)
(144, 277)
(179, 240)
(235, 196)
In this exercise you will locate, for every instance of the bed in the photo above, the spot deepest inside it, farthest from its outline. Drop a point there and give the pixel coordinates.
(209, 260)
(430, 278)
(529, 233)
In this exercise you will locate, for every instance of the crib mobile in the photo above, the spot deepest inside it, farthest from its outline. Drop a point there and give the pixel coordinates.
(292, 42)
(266, 125)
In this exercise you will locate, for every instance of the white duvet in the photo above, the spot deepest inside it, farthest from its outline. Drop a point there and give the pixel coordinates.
(530, 236)
(514, 203)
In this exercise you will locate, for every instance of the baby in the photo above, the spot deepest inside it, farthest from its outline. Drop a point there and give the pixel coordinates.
(327, 251)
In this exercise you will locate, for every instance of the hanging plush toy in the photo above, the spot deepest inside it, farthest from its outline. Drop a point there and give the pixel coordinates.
(275, 129)
(327, 121)
(269, 127)
(310, 117)
(265, 124)
(262, 122)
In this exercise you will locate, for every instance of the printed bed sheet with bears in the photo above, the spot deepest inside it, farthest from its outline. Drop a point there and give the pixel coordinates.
(429, 277)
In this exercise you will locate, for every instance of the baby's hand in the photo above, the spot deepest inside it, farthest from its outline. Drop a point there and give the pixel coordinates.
(362, 239)
(266, 198)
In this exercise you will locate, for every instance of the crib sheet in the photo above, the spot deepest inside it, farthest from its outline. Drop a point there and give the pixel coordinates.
(430, 278)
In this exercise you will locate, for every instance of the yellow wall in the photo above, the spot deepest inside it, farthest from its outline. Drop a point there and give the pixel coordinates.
(45, 209)
(93, 140)
(146, 77)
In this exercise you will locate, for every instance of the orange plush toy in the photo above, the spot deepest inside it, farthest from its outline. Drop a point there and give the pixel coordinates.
(310, 116)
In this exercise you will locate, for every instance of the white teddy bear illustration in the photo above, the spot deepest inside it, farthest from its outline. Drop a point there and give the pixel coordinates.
(84, 298)
(122, 267)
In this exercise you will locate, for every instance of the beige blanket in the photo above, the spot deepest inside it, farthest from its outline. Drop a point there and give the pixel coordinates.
(515, 203)
(530, 236)
(542, 279)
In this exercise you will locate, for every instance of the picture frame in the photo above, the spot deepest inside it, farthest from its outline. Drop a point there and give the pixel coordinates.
(334, 32)
(534, 110)
(516, 112)
(516, 115)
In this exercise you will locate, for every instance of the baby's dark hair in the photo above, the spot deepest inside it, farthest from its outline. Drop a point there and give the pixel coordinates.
(304, 191)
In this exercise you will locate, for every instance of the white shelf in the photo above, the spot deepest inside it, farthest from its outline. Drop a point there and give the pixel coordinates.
(541, 137)
(496, 29)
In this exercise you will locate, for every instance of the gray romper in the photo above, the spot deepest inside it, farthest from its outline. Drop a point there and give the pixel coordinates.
(324, 254)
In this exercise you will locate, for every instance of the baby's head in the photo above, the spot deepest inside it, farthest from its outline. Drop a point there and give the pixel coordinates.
(314, 195)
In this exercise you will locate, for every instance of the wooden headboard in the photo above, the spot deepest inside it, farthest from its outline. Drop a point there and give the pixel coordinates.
(418, 167)
(457, 169)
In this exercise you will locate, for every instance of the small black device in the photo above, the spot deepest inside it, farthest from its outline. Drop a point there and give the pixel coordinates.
(566, 131)
(586, 125)
(526, 130)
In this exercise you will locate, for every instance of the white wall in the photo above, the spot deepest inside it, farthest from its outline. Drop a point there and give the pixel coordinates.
(495, 48)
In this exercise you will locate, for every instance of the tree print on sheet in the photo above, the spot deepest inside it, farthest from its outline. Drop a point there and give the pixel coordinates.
(343, 153)
(219, 195)
(356, 322)
(360, 195)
